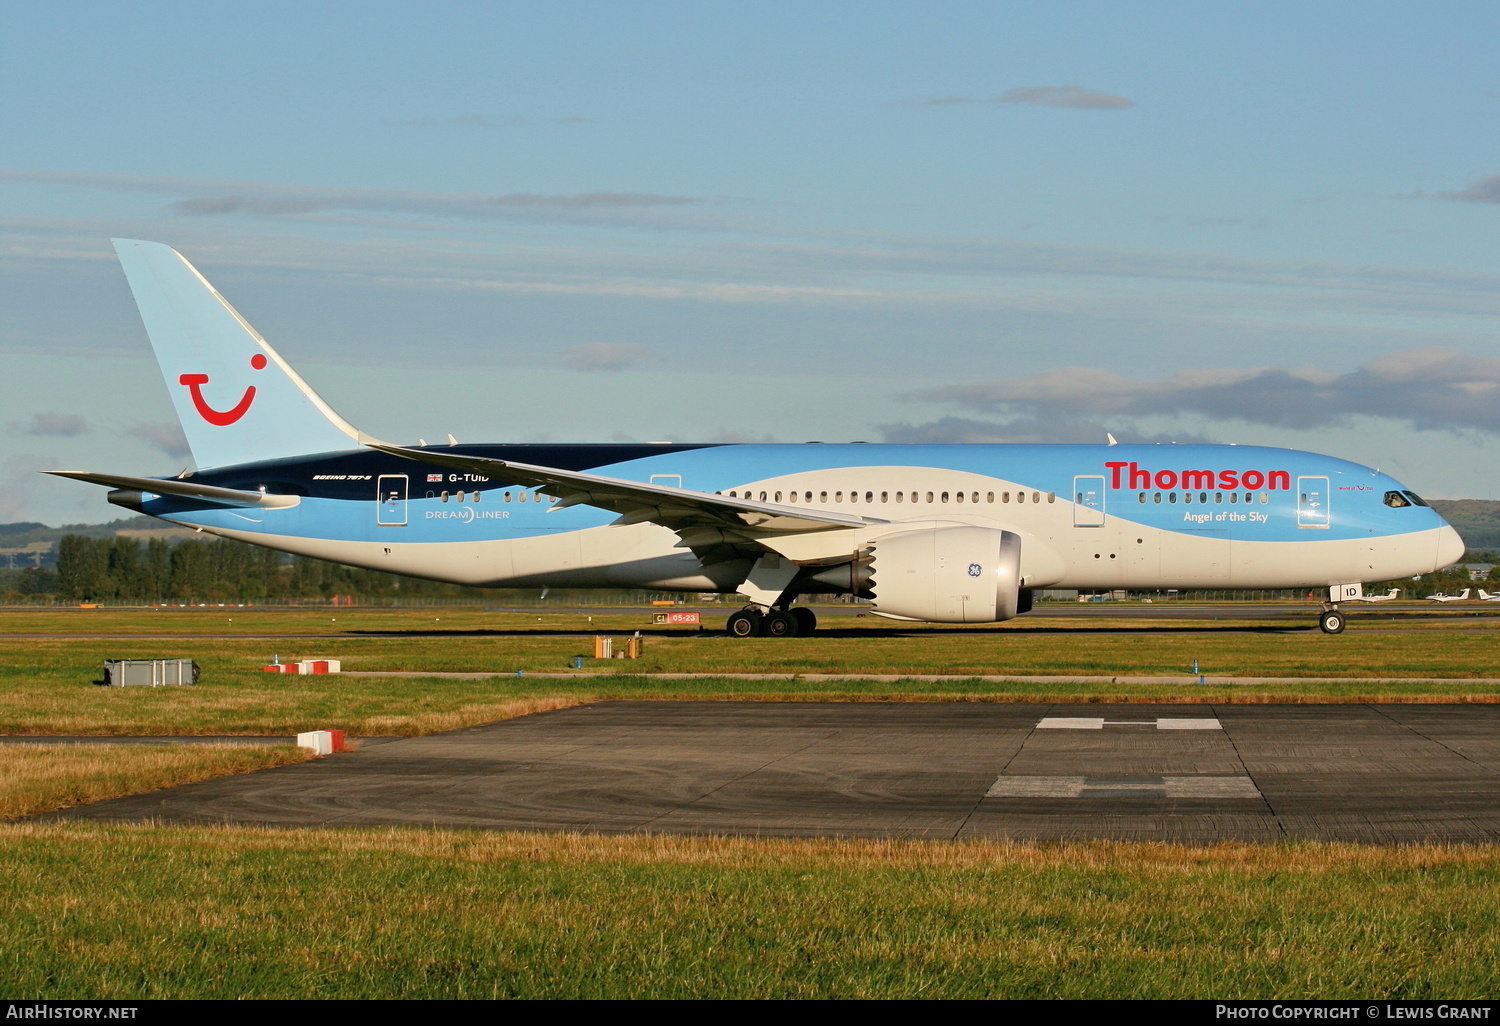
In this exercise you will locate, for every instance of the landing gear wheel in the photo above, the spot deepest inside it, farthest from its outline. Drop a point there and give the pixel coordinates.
(807, 622)
(1331, 622)
(779, 624)
(744, 624)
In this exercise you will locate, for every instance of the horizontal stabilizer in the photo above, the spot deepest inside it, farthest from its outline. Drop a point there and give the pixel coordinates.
(185, 489)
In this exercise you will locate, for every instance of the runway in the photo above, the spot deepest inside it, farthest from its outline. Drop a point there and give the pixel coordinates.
(1198, 774)
(853, 621)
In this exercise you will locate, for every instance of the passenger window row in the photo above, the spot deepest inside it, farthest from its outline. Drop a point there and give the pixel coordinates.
(517, 496)
(1202, 498)
(972, 498)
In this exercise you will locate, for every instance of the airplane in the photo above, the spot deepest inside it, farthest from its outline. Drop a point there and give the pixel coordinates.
(1387, 597)
(1440, 597)
(1485, 596)
(952, 533)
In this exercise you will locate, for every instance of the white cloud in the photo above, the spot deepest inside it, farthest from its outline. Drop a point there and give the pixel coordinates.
(166, 436)
(484, 121)
(50, 425)
(605, 356)
(1056, 425)
(17, 476)
(1430, 389)
(1483, 190)
(461, 121)
(200, 197)
(1065, 96)
(1045, 96)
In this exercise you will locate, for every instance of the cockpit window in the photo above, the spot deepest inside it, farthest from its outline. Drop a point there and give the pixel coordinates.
(1396, 500)
(1416, 499)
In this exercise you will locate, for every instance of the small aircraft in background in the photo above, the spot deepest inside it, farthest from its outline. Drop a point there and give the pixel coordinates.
(1485, 596)
(1449, 598)
(1388, 596)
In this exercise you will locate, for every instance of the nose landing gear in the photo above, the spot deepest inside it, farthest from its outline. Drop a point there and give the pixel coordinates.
(1331, 621)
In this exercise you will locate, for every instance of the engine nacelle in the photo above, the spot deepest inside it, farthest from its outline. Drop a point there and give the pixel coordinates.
(947, 573)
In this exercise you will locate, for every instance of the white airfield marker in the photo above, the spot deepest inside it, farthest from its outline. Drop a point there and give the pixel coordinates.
(1123, 787)
(1099, 723)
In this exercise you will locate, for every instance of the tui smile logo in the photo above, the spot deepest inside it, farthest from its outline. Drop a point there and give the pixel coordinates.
(220, 418)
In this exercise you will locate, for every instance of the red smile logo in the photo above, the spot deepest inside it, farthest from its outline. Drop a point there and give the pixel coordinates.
(220, 418)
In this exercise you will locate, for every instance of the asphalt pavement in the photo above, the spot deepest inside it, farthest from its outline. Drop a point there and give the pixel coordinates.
(1380, 774)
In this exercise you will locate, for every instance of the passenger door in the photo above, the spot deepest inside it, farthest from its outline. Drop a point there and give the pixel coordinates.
(1312, 502)
(390, 500)
(1088, 500)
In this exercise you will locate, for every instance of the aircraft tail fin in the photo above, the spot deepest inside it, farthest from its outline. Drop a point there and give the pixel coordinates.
(237, 399)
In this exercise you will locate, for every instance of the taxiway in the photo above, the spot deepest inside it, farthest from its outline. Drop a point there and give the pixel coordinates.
(1183, 773)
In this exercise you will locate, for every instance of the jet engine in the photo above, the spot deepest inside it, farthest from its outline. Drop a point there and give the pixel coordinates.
(947, 573)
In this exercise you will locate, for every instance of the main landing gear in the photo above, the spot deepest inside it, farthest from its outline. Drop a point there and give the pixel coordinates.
(754, 622)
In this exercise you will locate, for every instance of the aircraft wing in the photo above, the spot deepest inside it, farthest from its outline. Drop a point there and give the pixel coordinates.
(704, 520)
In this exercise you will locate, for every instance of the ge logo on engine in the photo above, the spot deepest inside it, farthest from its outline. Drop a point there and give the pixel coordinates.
(975, 569)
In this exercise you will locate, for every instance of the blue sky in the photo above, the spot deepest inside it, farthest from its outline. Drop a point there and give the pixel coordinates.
(1260, 223)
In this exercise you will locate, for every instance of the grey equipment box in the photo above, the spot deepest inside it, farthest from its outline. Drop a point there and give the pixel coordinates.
(119, 673)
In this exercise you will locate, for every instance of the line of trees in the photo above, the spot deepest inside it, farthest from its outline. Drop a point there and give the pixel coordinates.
(219, 570)
(127, 570)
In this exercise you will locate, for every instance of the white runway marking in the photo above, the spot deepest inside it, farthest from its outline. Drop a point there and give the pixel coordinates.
(1123, 787)
(1099, 723)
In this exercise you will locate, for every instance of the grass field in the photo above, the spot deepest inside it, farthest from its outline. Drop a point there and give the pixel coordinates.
(227, 913)
(38, 778)
(49, 658)
(150, 912)
(458, 621)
